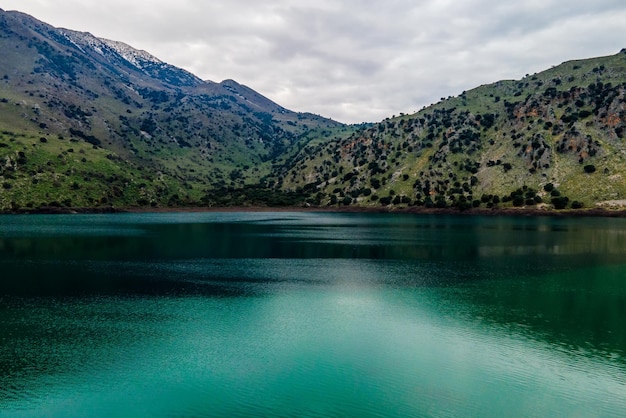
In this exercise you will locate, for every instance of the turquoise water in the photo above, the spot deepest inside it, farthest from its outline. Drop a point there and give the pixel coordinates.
(311, 314)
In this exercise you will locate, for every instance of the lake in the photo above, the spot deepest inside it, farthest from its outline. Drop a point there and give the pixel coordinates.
(311, 314)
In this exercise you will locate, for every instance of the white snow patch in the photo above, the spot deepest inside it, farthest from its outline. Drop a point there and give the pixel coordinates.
(85, 40)
(136, 57)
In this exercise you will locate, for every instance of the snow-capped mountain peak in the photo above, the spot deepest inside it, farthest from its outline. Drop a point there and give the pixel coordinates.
(138, 58)
(85, 40)
(115, 52)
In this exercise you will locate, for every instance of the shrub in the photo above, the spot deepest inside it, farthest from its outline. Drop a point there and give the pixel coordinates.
(518, 200)
(589, 168)
(560, 202)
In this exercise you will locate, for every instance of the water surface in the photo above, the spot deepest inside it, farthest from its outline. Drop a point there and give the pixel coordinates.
(309, 314)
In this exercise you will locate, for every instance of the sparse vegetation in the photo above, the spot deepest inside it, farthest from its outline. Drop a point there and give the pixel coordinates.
(473, 150)
(84, 136)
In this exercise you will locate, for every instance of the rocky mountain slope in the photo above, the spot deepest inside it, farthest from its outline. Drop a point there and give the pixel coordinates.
(554, 138)
(90, 122)
(86, 121)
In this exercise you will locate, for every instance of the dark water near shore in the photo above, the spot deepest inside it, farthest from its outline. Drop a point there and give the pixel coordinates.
(307, 314)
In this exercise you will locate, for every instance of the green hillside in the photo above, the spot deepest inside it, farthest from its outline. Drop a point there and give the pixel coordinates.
(554, 138)
(91, 123)
(121, 128)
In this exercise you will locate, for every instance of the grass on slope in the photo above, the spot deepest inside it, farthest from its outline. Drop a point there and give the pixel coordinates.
(51, 171)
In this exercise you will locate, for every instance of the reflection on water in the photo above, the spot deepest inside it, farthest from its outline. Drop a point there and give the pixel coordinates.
(311, 314)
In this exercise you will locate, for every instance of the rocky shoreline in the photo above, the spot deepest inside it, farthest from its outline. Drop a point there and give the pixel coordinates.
(419, 210)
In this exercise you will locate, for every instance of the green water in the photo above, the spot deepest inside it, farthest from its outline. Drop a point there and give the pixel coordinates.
(306, 314)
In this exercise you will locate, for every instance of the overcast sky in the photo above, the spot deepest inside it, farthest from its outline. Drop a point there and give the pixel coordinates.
(351, 60)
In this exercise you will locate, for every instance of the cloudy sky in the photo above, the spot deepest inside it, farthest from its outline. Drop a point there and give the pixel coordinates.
(351, 60)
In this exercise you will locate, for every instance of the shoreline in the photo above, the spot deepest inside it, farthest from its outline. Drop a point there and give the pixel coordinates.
(417, 210)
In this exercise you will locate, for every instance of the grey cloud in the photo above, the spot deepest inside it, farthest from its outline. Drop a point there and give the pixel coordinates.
(352, 60)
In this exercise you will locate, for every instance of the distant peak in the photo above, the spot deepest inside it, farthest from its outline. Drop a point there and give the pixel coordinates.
(83, 40)
(136, 57)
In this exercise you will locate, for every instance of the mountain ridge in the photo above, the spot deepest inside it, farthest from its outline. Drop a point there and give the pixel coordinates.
(190, 135)
(90, 122)
(494, 145)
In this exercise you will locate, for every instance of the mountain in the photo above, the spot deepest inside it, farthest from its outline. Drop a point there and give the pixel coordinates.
(86, 121)
(95, 123)
(552, 139)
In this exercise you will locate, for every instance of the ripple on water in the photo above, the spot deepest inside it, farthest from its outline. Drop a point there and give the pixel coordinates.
(430, 328)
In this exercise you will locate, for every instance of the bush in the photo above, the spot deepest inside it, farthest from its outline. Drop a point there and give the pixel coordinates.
(589, 168)
(464, 205)
(560, 202)
(440, 202)
(576, 204)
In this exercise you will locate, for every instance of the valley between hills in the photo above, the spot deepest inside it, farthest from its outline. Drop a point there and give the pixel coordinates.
(96, 125)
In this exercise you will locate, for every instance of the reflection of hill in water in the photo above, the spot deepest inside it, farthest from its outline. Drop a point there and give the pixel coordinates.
(561, 280)
(579, 310)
